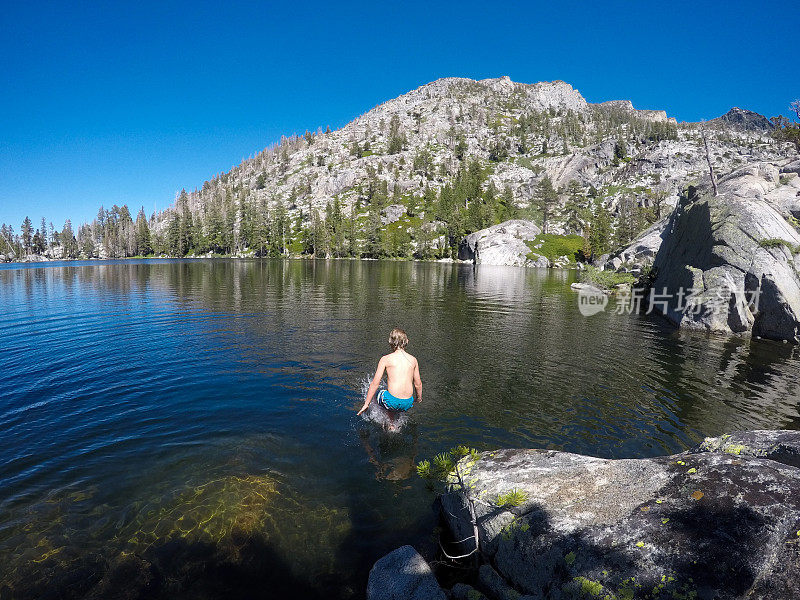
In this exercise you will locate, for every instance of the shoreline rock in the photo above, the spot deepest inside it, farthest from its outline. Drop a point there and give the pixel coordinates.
(729, 263)
(721, 520)
(503, 244)
(403, 575)
(642, 251)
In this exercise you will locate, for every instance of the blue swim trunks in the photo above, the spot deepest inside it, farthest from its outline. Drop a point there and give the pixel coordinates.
(393, 403)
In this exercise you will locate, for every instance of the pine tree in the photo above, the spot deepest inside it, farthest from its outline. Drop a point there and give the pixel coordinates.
(352, 233)
(461, 148)
(143, 243)
(425, 238)
(322, 242)
(187, 234)
(396, 138)
(86, 243)
(334, 221)
(27, 235)
(280, 230)
(620, 151)
(68, 242)
(576, 210)
(600, 231)
(261, 229)
(423, 163)
(229, 234)
(214, 227)
(372, 234)
(506, 209)
(247, 224)
(174, 239)
(38, 243)
(630, 221)
(45, 236)
(658, 200)
(545, 200)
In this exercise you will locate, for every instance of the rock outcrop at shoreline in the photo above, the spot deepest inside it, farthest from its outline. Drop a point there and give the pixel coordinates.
(503, 244)
(719, 521)
(729, 262)
(642, 251)
(403, 575)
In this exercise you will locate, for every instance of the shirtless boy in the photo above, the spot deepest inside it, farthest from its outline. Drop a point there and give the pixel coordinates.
(402, 370)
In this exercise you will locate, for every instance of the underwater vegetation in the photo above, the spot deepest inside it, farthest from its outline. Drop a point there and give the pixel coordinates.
(226, 536)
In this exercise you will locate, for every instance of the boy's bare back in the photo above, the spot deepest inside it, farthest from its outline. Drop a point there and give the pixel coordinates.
(402, 371)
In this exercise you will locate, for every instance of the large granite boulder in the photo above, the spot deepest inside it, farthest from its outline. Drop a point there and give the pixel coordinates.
(503, 244)
(786, 197)
(392, 213)
(403, 575)
(792, 167)
(712, 523)
(641, 252)
(729, 262)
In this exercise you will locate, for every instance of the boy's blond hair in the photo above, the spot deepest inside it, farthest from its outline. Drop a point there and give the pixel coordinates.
(398, 338)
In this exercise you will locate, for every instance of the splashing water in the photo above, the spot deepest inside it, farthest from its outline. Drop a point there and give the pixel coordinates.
(377, 413)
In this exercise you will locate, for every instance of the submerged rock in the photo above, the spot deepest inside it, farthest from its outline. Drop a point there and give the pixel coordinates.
(704, 524)
(503, 244)
(403, 575)
(588, 287)
(728, 264)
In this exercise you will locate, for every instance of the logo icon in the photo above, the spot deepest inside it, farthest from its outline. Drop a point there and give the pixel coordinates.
(591, 301)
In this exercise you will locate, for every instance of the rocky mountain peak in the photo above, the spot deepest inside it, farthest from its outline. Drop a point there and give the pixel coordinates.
(744, 120)
(460, 155)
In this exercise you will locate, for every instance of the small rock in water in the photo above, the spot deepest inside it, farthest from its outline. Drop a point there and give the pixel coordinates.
(403, 575)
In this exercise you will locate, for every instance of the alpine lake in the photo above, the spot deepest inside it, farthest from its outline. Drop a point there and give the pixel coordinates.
(188, 429)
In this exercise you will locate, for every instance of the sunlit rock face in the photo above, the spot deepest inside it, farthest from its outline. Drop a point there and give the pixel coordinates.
(720, 522)
(503, 244)
(728, 262)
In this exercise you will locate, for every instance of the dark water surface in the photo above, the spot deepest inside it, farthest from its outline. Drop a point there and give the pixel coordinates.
(187, 428)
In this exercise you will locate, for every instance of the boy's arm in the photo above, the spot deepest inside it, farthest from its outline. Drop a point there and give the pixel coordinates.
(373, 386)
(417, 382)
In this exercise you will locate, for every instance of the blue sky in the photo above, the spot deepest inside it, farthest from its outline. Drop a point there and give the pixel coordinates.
(112, 103)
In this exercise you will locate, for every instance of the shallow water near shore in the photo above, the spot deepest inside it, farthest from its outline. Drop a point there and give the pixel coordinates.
(188, 428)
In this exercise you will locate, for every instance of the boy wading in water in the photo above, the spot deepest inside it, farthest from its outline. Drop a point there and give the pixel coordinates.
(402, 370)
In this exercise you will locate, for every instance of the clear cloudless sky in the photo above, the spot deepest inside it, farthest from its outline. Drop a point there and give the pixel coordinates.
(127, 103)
